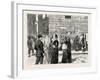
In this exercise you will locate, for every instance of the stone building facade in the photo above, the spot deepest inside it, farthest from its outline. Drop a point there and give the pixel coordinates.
(59, 24)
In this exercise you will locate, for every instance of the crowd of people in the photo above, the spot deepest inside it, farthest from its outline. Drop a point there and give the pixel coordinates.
(52, 47)
(80, 43)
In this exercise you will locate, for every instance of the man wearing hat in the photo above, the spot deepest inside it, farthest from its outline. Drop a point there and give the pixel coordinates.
(39, 50)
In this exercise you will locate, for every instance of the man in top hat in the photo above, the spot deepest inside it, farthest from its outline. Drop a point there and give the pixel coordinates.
(39, 50)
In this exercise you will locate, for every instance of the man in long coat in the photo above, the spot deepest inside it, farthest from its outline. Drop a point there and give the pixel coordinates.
(30, 46)
(39, 50)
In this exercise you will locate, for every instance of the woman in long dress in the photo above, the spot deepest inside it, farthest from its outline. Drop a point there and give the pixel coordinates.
(67, 58)
(54, 54)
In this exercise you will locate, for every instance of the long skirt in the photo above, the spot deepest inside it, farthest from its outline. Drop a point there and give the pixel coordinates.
(66, 58)
(54, 56)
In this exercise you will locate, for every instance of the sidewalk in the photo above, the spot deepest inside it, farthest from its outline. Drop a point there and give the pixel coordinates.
(75, 52)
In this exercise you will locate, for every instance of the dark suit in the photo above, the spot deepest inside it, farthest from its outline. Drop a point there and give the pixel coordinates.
(30, 46)
(39, 51)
